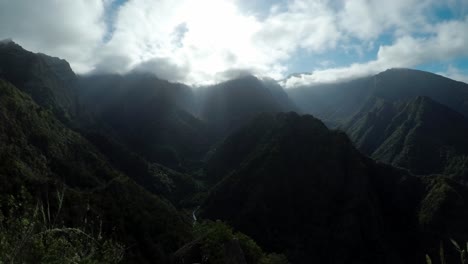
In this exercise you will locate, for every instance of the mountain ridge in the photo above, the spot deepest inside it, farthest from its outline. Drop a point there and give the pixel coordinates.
(338, 102)
(49, 80)
(324, 201)
(42, 155)
(419, 134)
(142, 154)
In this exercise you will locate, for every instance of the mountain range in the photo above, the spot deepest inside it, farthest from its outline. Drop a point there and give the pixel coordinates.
(306, 190)
(409, 118)
(372, 170)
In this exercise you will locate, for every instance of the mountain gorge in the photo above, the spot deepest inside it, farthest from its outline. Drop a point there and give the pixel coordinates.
(229, 105)
(229, 173)
(418, 134)
(408, 118)
(151, 116)
(305, 189)
(338, 102)
(42, 155)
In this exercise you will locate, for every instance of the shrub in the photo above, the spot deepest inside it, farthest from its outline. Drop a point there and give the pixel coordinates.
(215, 235)
(30, 234)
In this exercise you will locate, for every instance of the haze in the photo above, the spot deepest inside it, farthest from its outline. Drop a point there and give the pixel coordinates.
(197, 42)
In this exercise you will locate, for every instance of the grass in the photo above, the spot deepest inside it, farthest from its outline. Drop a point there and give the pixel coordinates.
(31, 233)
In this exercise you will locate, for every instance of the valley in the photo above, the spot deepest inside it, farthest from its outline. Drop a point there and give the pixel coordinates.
(371, 170)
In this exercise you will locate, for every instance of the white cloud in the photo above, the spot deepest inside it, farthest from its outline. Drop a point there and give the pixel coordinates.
(309, 25)
(449, 41)
(454, 73)
(201, 41)
(206, 36)
(218, 37)
(164, 69)
(367, 19)
(69, 29)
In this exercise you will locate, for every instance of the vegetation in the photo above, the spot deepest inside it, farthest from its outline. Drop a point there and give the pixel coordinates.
(337, 103)
(304, 189)
(461, 250)
(40, 153)
(48, 80)
(150, 117)
(34, 234)
(418, 134)
(217, 243)
(107, 168)
(230, 105)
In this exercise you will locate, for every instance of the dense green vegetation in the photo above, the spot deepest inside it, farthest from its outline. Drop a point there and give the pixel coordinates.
(229, 105)
(33, 234)
(48, 80)
(337, 103)
(147, 115)
(118, 201)
(39, 153)
(411, 119)
(115, 168)
(304, 190)
(418, 134)
(217, 243)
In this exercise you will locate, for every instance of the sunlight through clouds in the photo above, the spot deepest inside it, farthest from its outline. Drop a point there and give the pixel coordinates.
(202, 40)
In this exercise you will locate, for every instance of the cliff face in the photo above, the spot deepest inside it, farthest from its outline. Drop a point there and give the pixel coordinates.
(48, 80)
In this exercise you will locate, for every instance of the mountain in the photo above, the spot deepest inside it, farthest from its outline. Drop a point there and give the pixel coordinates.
(408, 118)
(229, 105)
(42, 156)
(299, 188)
(48, 80)
(151, 117)
(79, 102)
(139, 166)
(176, 186)
(418, 134)
(280, 95)
(337, 103)
(158, 119)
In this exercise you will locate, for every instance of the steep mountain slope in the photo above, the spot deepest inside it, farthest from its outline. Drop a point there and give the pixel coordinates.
(419, 134)
(338, 102)
(150, 116)
(176, 186)
(229, 105)
(39, 154)
(332, 103)
(297, 187)
(52, 84)
(48, 80)
(279, 94)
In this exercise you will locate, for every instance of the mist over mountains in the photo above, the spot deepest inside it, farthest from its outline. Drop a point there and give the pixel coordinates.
(371, 170)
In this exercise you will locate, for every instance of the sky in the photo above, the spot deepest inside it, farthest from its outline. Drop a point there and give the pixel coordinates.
(208, 41)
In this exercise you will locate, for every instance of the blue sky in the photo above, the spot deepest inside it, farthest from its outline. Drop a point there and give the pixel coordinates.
(206, 41)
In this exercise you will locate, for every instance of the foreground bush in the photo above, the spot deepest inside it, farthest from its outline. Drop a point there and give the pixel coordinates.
(31, 234)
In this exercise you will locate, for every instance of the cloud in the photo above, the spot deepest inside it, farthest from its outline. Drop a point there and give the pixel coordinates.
(368, 19)
(68, 29)
(232, 74)
(204, 41)
(112, 63)
(163, 68)
(209, 37)
(448, 41)
(186, 33)
(454, 73)
(309, 25)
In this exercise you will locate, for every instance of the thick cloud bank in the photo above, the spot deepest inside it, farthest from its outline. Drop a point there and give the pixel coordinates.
(205, 41)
